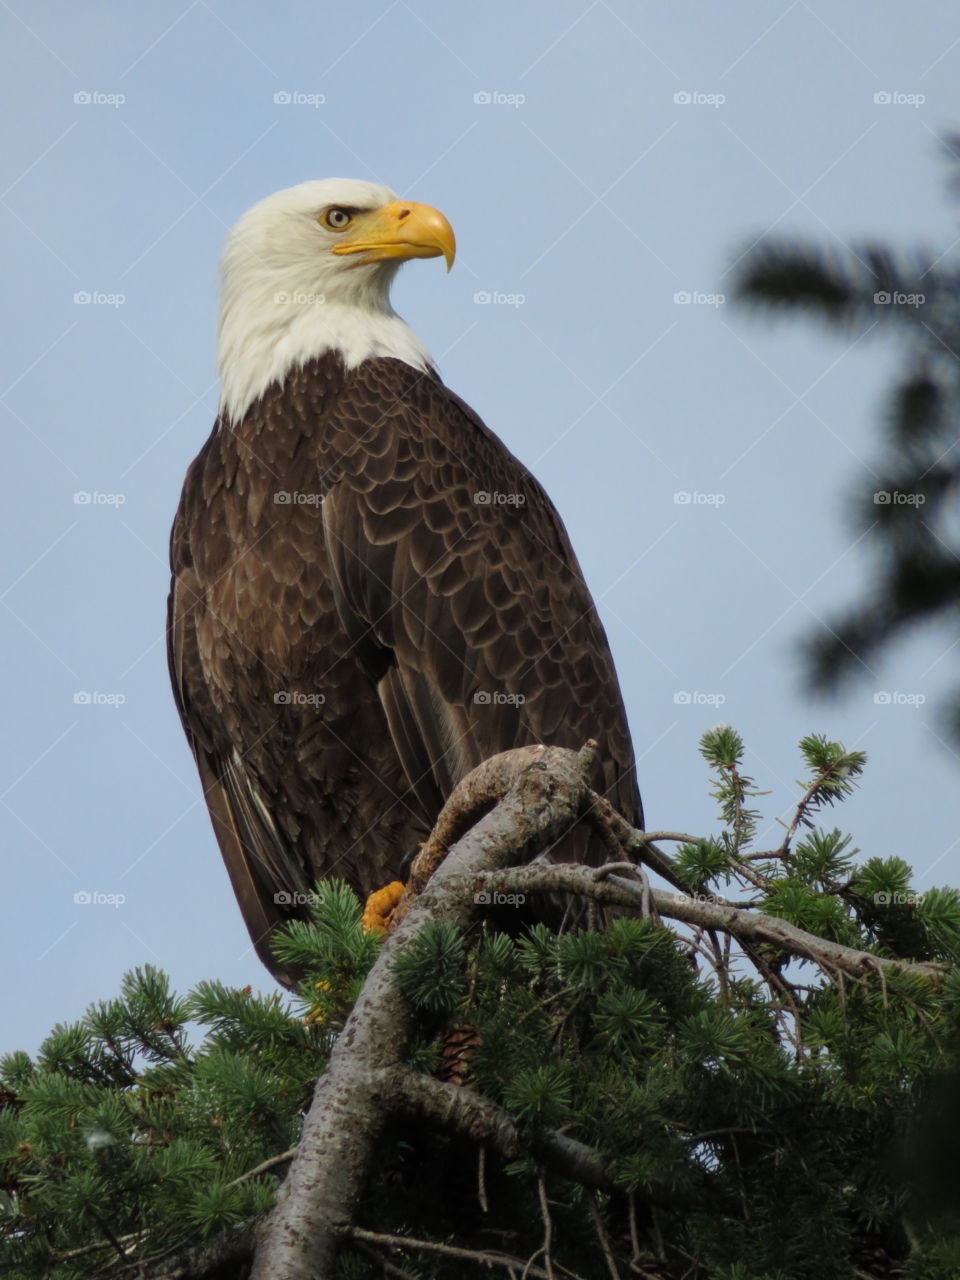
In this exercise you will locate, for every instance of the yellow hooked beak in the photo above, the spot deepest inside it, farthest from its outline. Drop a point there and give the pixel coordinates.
(400, 230)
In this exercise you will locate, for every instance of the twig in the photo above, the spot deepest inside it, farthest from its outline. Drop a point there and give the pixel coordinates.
(602, 816)
(602, 1237)
(390, 1268)
(756, 878)
(681, 837)
(482, 1180)
(800, 812)
(546, 1247)
(634, 1234)
(721, 966)
(283, 1158)
(484, 1257)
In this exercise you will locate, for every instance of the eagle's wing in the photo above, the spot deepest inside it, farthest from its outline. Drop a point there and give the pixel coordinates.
(251, 846)
(455, 578)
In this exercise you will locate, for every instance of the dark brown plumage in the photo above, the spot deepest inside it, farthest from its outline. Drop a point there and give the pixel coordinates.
(343, 658)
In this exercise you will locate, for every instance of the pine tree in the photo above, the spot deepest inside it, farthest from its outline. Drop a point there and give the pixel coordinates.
(746, 1101)
(911, 298)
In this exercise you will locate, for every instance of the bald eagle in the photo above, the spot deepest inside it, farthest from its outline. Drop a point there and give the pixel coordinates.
(370, 594)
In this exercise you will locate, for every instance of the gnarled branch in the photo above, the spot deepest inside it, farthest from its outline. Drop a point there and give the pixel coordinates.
(529, 797)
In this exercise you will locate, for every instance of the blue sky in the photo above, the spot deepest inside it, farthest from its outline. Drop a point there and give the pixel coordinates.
(596, 160)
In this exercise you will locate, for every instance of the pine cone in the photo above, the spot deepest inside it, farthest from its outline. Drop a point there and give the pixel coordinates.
(459, 1044)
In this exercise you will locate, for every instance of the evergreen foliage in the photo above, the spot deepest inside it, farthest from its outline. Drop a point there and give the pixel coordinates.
(906, 508)
(758, 1117)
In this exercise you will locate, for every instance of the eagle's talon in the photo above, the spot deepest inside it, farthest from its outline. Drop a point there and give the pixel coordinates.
(380, 906)
(386, 908)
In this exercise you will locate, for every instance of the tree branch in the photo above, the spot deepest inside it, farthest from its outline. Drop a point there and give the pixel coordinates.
(529, 797)
(751, 926)
(602, 816)
(484, 1122)
(486, 1258)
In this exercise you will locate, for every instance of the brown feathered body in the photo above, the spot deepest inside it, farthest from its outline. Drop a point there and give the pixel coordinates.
(370, 596)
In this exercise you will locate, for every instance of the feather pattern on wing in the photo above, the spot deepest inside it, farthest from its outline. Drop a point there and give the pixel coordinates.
(370, 596)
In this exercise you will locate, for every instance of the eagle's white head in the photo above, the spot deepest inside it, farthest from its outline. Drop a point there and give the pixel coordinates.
(308, 270)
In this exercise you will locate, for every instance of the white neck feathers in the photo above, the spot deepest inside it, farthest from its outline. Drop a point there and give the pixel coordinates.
(282, 304)
(262, 342)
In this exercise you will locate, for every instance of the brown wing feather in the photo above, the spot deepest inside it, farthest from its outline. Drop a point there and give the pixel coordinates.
(284, 720)
(340, 663)
(495, 640)
(222, 789)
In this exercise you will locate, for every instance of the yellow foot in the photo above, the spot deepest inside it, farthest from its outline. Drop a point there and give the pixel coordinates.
(380, 907)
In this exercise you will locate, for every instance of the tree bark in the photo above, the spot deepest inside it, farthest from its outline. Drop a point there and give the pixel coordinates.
(538, 792)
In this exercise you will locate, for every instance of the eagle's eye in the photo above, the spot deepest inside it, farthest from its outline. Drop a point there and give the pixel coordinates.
(336, 219)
